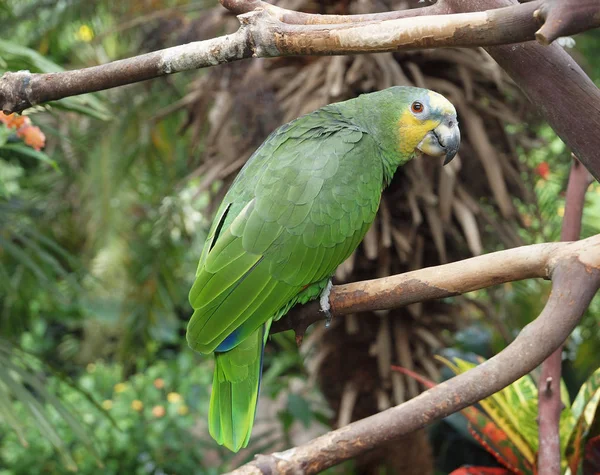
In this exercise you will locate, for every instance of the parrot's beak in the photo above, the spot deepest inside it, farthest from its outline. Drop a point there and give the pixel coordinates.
(443, 140)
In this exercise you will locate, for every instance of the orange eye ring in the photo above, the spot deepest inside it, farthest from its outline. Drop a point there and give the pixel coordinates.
(417, 107)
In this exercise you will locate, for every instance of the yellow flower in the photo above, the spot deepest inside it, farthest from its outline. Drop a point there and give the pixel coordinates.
(159, 383)
(561, 211)
(107, 405)
(137, 405)
(85, 33)
(174, 398)
(120, 387)
(158, 411)
(183, 410)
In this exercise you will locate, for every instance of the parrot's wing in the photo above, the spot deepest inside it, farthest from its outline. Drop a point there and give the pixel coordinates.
(296, 211)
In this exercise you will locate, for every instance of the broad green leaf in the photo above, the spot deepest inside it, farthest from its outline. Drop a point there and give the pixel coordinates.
(522, 399)
(497, 442)
(583, 412)
(499, 410)
(485, 431)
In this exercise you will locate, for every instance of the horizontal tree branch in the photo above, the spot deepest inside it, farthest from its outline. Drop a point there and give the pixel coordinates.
(559, 17)
(293, 17)
(437, 282)
(263, 34)
(575, 272)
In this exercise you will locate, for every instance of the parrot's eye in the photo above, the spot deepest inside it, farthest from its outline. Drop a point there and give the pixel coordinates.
(417, 107)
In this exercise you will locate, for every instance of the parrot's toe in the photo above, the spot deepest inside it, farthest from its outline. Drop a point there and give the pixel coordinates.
(324, 302)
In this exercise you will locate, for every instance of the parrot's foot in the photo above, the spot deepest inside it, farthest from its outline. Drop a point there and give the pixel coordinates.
(325, 305)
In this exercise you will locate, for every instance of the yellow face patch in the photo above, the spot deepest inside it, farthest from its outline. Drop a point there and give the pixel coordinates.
(413, 130)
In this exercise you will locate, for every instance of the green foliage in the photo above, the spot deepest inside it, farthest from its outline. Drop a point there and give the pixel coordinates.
(152, 427)
(507, 425)
(22, 380)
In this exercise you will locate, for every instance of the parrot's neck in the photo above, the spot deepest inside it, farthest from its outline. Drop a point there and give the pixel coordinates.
(390, 165)
(375, 115)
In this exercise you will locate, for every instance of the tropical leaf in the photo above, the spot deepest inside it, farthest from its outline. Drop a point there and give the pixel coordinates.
(522, 399)
(583, 411)
(493, 439)
(485, 431)
(502, 413)
(480, 471)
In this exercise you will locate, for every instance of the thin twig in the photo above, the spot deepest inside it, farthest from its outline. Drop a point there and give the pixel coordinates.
(550, 404)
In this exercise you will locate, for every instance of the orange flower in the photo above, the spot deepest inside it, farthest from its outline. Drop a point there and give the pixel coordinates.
(159, 383)
(158, 411)
(32, 136)
(14, 121)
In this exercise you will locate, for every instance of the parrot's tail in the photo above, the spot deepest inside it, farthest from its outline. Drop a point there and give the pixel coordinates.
(235, 392)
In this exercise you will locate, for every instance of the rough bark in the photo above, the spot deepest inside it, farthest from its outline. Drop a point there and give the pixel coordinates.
(575, 274)
(547, 75)
(433, 283)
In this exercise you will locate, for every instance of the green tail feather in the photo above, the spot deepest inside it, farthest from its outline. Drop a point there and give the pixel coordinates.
(235, 392)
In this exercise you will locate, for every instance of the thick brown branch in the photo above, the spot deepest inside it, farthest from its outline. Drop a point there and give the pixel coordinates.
(434, 282)
(575, 273)
(299, 18)
(22, 89)
(554, 82)
(550, 404)
(559, 15)
(263, 34)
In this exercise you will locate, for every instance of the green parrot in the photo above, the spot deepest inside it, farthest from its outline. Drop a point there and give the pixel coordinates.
(299, 207)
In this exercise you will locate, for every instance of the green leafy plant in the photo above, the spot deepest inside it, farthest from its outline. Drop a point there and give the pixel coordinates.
(505, 425)
(152, 426)
(22, 379)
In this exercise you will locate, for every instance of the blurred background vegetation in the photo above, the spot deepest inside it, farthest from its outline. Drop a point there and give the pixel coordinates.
(105, 200)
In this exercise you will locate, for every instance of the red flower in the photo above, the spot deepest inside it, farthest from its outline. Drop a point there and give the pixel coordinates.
(543, 170)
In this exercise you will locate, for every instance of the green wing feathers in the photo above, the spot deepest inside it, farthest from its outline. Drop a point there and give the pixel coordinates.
(291, 217)
(300, 206)
(235, 392)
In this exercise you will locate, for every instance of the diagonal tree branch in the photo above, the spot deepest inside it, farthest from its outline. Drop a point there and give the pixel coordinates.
(552, 81)
(550, 404)
(575, 274)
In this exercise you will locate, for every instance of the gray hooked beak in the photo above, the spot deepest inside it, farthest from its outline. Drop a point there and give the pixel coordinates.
(443, 140)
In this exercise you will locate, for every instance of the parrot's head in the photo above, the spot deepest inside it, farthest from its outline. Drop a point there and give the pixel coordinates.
(427, 122)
